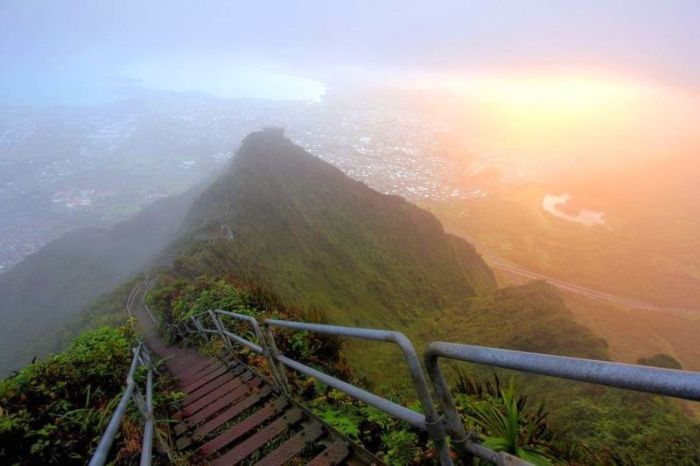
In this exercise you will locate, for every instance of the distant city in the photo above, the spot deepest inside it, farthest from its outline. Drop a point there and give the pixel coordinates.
(66, 167)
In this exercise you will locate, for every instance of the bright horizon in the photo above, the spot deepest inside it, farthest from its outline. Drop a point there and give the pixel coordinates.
(541, 80)
(549, 116)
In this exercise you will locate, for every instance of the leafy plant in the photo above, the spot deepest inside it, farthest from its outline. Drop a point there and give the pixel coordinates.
(401, 447)
(345, 421)
(375, 416)
(505, 423)
(54, 411)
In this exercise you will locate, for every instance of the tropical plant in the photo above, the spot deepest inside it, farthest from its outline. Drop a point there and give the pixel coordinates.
(504, 421)
(401, 447)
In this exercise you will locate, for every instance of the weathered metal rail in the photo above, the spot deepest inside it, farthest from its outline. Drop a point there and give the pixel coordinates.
(231, 413)
(440, 427)
(429, 421)
(667, 382)
(220, 393)
(145, 405)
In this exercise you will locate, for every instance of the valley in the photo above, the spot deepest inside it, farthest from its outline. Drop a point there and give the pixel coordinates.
(615, 277)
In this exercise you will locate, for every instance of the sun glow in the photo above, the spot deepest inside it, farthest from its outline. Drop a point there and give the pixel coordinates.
(546, 95)
(567, 116)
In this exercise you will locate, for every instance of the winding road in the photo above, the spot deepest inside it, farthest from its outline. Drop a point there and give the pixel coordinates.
(583, 291)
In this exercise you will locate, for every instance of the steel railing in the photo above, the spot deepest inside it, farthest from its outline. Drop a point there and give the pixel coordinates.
(268, 350)
(147, 284)
(668, 382)
(145, 405)
(429, 421)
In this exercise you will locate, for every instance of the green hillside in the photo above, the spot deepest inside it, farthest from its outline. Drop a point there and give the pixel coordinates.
(49, 289)
(296, 225)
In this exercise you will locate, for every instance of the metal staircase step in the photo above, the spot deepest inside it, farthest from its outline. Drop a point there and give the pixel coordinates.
(293, 446)
(259, 439)
(205, 380)
(236, 376)
(198, 393)
(247, 425)
(333, 454)
(215, 394)
(230, 415)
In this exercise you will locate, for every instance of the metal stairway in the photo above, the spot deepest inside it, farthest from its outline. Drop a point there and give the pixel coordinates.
(233, 415)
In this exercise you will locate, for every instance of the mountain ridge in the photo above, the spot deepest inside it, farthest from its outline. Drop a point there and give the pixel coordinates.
(291, 214)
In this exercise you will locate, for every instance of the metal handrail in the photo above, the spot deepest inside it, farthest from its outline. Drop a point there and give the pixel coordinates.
(149, 284)
(429, 422)
(398, 411)
(279, 380)
(253, 323)
(668, 382)
(131, 390)
(147, 446)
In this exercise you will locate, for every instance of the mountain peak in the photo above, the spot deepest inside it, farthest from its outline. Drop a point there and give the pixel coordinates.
(300, 227)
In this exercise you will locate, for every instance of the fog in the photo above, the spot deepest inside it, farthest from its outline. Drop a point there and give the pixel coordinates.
(81, 51)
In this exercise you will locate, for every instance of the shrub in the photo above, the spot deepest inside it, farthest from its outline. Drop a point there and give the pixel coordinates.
(54, 411)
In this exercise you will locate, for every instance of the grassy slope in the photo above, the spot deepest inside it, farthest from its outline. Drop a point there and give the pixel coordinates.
(46, 292)
(308, 233)
(532, 317)
(304, 230)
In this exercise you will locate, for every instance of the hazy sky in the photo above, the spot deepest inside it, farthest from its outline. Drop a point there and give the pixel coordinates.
(73, 51)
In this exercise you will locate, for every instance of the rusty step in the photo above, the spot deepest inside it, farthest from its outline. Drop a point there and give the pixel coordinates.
(214, 384)
(215, 394)
(222, 418)
(213, 408)
(210, 406)
(243, 427)
(333, 454)
(230, 415)
(204, 380)
(191, 375)
(292, 447)
(259, 439)
(186, 362)
(189, 365)
(191, 371)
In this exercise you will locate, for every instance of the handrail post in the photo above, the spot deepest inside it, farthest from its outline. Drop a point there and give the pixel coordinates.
(147, 445)
(219, 327)
(136, 393)
(278, 378)
(99, 457)
(186, 328)
(149, 361)
(200, 331)
(274, 362)
(454, 424)
(432, 423)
